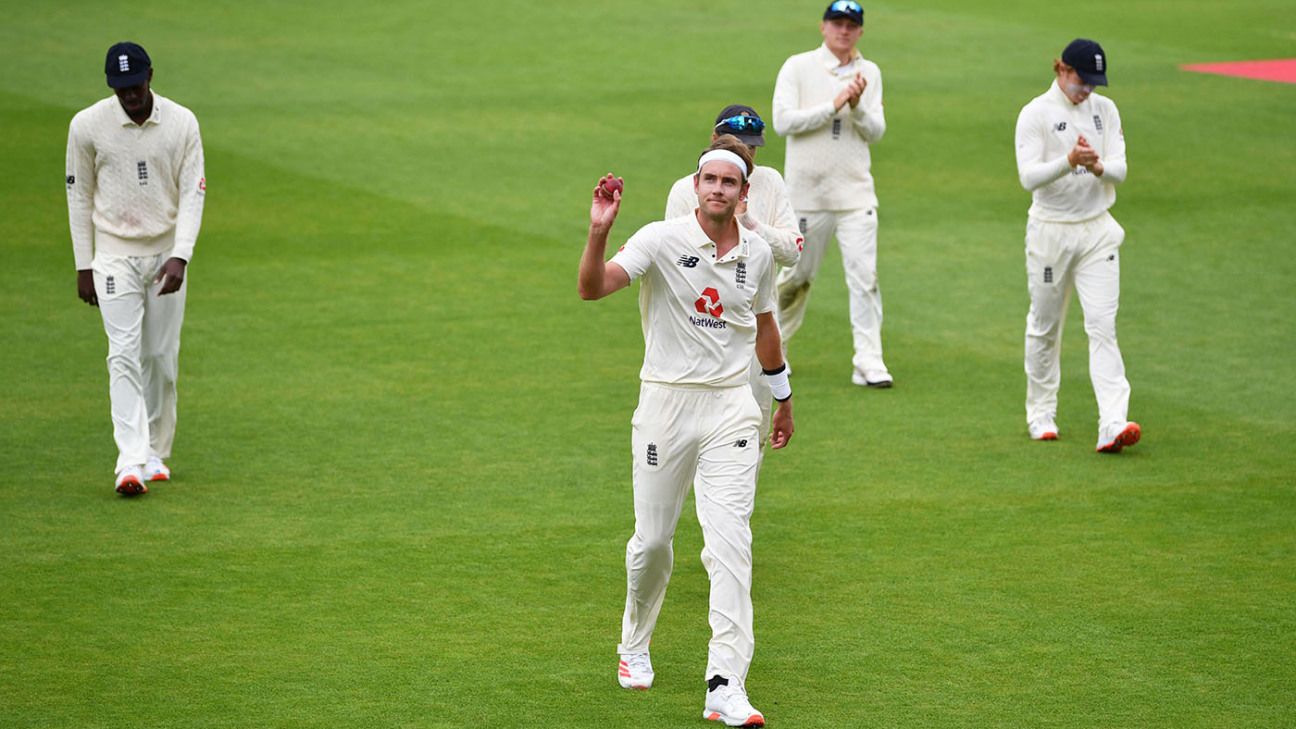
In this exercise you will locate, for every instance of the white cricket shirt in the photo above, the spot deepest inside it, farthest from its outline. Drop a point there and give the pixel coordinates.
(1047, 129)
(698, 313)
(827, 159)
(134, 190)
(769, 212)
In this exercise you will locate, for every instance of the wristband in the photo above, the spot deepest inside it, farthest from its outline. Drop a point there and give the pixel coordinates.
(778, 382)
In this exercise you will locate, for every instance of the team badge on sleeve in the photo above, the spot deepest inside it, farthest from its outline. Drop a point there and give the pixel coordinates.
(202, 184)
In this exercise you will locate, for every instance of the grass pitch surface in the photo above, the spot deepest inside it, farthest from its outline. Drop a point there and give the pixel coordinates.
(401, 485)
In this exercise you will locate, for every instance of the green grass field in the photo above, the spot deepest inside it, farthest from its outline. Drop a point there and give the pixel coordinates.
(402, 488)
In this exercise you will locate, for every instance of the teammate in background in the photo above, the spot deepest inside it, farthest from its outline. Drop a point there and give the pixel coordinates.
(135, 192)
(707, 303)
(828, 103)
(765, 211)
(1071, 156)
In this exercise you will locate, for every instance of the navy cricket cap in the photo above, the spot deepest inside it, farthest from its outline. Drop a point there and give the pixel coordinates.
(848, 9)
(127, 65)
(1088, 59)
(742, 122)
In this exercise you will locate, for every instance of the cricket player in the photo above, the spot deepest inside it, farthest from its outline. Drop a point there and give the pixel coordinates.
(135, 191)
(1071, 156)
(828, 103)
(766, 211)
(707, 303)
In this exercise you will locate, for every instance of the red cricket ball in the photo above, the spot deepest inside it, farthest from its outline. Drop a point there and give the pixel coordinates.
(610, 186)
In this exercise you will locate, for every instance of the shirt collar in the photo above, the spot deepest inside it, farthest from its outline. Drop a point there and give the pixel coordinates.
(154, 118)
(831, 62)
(1055, 93)
(699, 238)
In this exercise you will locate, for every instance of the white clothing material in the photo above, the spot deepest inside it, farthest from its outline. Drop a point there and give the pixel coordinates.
(1047, 129)
(699, 313)
(1072, 243)
(1085, 257)
(769, 214)
(143, 354)
(857, 237)
(706, 438)
(828, 160)
(135, 197)
(134, 190)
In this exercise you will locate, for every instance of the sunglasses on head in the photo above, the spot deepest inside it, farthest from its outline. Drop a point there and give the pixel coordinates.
(741, 125)
(846, 6)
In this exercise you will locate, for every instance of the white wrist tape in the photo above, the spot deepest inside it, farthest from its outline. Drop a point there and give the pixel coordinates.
(778, 382)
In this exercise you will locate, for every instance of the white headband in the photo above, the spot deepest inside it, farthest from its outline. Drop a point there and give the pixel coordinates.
(724, 155)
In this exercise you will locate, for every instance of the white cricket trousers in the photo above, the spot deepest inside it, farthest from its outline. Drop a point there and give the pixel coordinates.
(143, 353)
(857, 236)
(1085, 257)
(704, 437)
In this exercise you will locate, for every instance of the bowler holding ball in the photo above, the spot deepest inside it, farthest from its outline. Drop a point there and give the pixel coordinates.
(707, 301)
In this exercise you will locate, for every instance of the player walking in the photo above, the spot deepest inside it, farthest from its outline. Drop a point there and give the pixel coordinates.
(707, 301)
(828, 103)
(135, 192)
(1071, 156)
(766, 211)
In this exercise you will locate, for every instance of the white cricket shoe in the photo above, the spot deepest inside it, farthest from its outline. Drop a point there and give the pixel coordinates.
(130, 482)
(727, 703)
(156, 470)
(635, 671)
(1043, 429)
(1112, 440)
(880, 379)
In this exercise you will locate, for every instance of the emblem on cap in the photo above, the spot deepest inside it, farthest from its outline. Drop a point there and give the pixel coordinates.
(123, 63)
(1098, 61)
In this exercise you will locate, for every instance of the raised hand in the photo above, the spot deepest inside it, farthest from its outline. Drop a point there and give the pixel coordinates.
(604, 207)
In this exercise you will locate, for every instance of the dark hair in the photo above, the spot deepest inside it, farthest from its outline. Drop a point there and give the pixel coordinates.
(732, 144)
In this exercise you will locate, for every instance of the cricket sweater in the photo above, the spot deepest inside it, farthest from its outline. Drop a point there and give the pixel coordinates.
(827, 160)
(134, 189)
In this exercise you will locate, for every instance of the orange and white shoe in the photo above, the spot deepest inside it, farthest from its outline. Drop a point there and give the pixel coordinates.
(726, 702)
(130, 482)
(635, 671)
(1043, 430)
(1126, 436)
(156, 470)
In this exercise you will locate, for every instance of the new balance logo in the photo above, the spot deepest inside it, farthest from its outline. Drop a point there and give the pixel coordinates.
(741, 443)
(123, 63)
(1059, 127)
(1048, 274)
(688, 261)
(110, 286)
(740, 274)
(652, 454)
(71, 180)
(142, 168)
